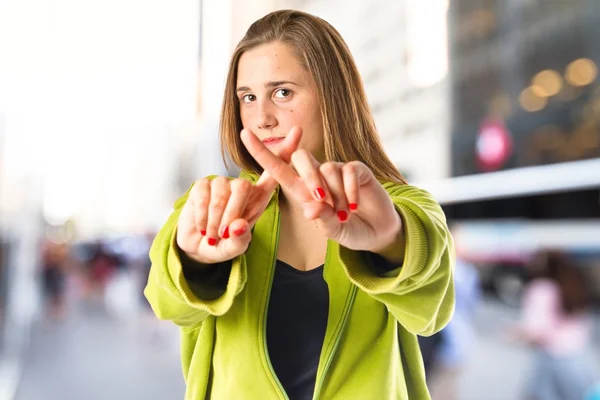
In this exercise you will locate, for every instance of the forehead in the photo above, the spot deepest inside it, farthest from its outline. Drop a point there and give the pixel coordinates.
(270, 62)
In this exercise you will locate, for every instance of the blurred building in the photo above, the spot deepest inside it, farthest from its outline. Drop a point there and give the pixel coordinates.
(530, 68)
(223, 24)
(525, 133)
(526, 93)
(400, 48)
(92, 100)
(95, 115)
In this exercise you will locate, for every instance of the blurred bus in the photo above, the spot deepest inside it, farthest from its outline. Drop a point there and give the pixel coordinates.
(500, 219)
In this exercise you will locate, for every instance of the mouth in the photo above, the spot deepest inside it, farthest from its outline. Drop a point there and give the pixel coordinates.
(273, 140)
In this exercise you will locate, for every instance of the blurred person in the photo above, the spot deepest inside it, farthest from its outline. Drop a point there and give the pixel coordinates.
(54, 265)
(557, 323)
(456, 341)
(149, 328)
(102, 267)
(309, 280)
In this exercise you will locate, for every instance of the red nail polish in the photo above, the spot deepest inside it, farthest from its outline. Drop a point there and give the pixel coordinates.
(342, 215)
(353, 206)
(240, 232)
(212, 241)
(203, 232)
(224, 232)
(319, 193)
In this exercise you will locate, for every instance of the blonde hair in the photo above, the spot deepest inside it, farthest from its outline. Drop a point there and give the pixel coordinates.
(348, 125)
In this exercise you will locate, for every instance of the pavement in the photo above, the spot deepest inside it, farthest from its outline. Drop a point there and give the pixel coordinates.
(96, 356)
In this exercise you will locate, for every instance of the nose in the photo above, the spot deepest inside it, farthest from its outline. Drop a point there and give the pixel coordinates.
(266, 116)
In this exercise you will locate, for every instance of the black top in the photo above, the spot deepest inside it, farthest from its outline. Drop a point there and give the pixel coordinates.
(296, 319)
(296, 323)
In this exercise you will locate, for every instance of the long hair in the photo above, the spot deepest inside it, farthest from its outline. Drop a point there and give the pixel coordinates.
(349, 129)
(574, 290)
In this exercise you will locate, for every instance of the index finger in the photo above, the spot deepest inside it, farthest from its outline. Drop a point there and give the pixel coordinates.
(275, 167)
(288, 147)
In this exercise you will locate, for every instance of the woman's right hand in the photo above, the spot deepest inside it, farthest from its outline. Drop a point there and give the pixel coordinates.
(216, 221)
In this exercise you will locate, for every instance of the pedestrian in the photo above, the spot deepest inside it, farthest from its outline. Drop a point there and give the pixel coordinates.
(456, 343)
(311, 275)
(556, 322)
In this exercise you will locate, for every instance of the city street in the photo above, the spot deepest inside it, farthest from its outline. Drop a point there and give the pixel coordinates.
(95, 357)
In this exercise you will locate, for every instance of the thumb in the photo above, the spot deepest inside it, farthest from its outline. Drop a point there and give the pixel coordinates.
(325, 217)
(240, 237)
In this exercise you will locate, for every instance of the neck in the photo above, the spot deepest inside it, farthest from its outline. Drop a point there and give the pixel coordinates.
(288, 204)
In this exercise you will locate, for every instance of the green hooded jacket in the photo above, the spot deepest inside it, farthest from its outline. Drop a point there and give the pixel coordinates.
(370, 349)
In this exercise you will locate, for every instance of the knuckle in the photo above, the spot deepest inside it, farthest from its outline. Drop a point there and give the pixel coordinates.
(240, 185)
(199, 200)
(198, 187)
(219, 182)
(202, 183)
(218, 203)
(203, 200)
(357, 164)
(328, 168)
(349, 168)
(200, 192)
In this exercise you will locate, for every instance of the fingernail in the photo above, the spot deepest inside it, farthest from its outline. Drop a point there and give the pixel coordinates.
(353, 206)
(212, 241)
(225, 232)
(342, 215)
(319, 193)
(240, 232)
(203, 233)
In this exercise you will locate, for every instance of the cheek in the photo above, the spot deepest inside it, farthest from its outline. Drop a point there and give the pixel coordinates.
(246, 117)
(298, 116)
(291, 114)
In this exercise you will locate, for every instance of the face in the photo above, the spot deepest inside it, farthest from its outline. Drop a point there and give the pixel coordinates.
(275, 93)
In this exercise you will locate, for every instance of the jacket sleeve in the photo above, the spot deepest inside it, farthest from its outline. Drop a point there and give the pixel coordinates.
(420, 292)
(188, 301)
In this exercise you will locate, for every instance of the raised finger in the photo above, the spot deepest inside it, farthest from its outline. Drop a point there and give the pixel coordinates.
(308, 169)
(275, 166)
(331, 173)
(288, 147)
(351, 186)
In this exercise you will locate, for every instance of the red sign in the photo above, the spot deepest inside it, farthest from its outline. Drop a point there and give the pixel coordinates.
(493, 146)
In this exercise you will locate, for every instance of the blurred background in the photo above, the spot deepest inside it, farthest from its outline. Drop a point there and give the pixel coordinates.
(109, 111)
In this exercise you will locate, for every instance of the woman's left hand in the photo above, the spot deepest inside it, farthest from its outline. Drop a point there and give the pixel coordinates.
(348, 203)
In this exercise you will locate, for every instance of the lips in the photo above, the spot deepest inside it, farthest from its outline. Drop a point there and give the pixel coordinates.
(273, 139)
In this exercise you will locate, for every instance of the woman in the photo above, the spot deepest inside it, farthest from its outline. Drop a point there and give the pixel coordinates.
(311, 275)
(557, 323)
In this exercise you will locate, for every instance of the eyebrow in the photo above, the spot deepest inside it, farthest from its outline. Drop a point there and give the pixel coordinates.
(270, 84)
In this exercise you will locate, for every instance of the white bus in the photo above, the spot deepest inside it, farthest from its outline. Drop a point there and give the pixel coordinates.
(500, 219)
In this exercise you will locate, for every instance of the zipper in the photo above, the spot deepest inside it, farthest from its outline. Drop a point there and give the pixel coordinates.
(282, 393)
(321, 379)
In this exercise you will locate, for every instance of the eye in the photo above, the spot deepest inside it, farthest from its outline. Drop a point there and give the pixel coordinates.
(282, 93)
(248, 98)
